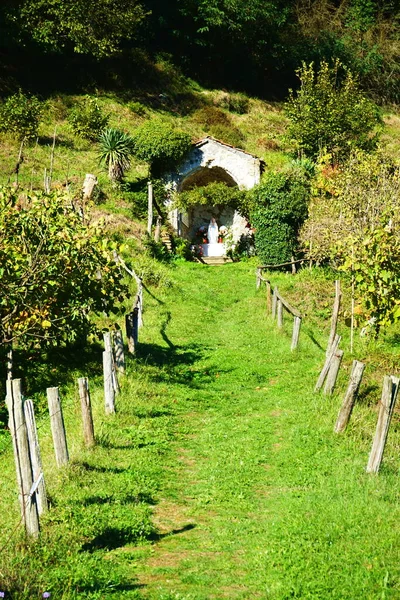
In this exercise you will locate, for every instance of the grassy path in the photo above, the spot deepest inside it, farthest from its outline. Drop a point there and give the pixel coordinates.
(219, 476)
(260, 499)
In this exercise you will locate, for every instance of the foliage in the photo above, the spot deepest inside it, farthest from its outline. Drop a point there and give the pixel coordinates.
(228, 134)
(349, 202)
(354, 222)
(115, 151)
(182, 248)
(96, 28)
(160, 145)
(137, 108)
(20, 114)
(56, 270)
(212, 194)
(210, 116)
(329, 113)
(157, 250)
(87, 119)
(374, 264)
(278, 207)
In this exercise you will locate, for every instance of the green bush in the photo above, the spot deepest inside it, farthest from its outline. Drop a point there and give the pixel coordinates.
(87, 120)
(138, 109)
(20, 114)
(277, 210)
(182, 248)
(329, 113)
(160, 145)
(210, 116)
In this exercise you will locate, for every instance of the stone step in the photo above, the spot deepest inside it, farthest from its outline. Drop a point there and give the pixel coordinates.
(215, 260)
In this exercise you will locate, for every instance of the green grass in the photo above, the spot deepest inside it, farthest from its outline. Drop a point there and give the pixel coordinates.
(220, 476)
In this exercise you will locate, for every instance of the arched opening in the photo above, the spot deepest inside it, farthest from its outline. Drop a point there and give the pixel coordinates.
(204, 176)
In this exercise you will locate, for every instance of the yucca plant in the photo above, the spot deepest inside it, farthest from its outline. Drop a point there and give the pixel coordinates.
(115, 152)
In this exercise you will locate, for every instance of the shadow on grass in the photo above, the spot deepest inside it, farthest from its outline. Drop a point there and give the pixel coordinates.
(140, 498)
(56, 367)
(112, 538)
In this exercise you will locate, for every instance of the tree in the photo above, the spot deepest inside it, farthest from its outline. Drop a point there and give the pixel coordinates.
(56, 270)
(96, 28)
(329, 113)
(160, 145)
(115, 151)
(278, 208)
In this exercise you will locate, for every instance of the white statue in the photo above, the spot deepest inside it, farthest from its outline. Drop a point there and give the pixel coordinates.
(212, 232)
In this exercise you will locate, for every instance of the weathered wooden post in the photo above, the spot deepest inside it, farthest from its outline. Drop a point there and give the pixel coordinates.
(109, 392)
(350, 396)
(389, 395)
(333, 372)
(119, 351)
(57, 426)
(22, 457)
(140, 298)
(86, 408)
(149, 207)
(279, 313)
(296, 332)
(268, 288)
(36, 460)
(258, 278)
(108, 347)
(327, 364)
(274, 302)
(89, 184)
(335, 316)
(157, 230)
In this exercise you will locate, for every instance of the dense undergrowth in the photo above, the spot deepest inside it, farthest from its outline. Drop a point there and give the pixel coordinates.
(220, 475)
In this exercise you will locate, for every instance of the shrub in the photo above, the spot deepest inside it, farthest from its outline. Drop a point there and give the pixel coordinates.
(160, 145)
(210, 116)
(138, 108)
(87, 119)
(330, 113)
(213, 194)
(20, 114)
(278, 207)
(182, 248)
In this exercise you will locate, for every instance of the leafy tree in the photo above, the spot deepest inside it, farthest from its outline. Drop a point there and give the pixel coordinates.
(278, 207)
(96, 28)
(56, 270)
(213, 194)
(329, 113)
(20, 114)
(115, 152)
(160, 145)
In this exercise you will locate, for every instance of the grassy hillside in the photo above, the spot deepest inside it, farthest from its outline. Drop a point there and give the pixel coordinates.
(220, 475)
(259, 129)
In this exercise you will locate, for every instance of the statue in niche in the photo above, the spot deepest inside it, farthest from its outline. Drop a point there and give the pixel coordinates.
(212, 232)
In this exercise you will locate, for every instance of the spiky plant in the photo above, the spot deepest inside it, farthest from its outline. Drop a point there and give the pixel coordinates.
(115, 152)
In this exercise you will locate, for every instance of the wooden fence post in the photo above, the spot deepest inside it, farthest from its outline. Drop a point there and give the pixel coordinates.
(279, 313)
(350, 397)
(335, 316)
(389, 395)
(268, 288)
(86, 407)
(109, 393)
(333, 372)
(149, 207)
(327, 364)
(140, 312)
(36, 460)
(57, 426)
(296, 332)
(119, 351)
(274, 302)
(258, 278)
(108, 347)
(130, 331)
(22, 457)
